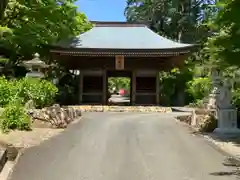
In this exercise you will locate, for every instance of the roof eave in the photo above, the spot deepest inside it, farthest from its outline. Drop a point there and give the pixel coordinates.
(82, 49)
(154, 53)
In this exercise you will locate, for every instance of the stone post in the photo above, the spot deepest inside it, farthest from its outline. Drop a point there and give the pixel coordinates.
(213, 96)
(226, 112)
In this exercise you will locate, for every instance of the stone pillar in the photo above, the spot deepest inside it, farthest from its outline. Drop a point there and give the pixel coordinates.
(213, 96)
(226, 113)
(157, 89)
(133, 84)
(220, 101)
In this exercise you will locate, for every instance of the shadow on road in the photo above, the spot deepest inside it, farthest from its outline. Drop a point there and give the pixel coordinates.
(230, 162)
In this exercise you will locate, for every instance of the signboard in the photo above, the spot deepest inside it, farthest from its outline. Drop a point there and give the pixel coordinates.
(119, 62)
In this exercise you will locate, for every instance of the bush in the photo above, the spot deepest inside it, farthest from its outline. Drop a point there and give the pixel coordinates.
(236, 98)
(197, 104)
(198, 88)
(7, 91)
(15, 93)
(15, 116)
(119, 83)
(42, 92)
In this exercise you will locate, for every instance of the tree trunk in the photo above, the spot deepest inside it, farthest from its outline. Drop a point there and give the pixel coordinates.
(3, 5)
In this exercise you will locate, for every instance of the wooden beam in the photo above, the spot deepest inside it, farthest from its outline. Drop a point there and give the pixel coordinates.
(133, 84)
(105, 87)
(157, 89)
(80, 87)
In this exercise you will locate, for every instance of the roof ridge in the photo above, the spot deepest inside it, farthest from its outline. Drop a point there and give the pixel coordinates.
(117, 24)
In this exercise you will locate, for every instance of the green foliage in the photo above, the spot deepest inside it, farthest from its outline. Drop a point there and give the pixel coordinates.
(30, 26)
(223, 47)
(7, 91)
(236, 98)
(68, 88)
(119, 83)
(179, 20)
(198, 103)
(167, 86)
(199, 88)
(175, 19)
(173, 81)
(15, 93)
(15, 116)
(42, 92)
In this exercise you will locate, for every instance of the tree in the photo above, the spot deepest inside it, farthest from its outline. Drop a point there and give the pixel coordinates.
(3, 5)
(36, 24)
(223, 47)
(176, 19)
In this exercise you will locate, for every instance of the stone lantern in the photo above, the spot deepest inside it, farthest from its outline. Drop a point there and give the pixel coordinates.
(36, 65)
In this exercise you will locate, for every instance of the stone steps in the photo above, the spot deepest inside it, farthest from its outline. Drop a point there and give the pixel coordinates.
(95, 108)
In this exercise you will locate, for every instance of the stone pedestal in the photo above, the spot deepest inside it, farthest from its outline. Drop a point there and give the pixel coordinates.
(227, 121)
(35, 74)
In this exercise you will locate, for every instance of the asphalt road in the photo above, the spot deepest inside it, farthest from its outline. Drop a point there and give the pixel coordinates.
(124, 146)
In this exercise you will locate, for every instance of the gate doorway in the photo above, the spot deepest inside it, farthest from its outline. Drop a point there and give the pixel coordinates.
(119, 87)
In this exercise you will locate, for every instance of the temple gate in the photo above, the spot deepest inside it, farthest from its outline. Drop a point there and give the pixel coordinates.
(120, 49)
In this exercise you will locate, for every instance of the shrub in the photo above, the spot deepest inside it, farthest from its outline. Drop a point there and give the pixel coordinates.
(236, 97)
(15, 116)
(197, 104)
(42, 92)
(7, 91)
(198, 88)
(48, 93)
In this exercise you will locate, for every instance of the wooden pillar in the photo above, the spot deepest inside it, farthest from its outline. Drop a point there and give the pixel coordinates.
(157, 89)
(105, 87)
(80, 86)
(133, 84)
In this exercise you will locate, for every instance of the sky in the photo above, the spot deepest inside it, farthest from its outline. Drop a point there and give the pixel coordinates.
(103, 10)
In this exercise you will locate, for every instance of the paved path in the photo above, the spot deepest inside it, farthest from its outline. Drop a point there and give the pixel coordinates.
(123, 146)
(119, 99)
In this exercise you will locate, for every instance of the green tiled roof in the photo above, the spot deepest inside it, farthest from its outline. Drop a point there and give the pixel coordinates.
(121, 37)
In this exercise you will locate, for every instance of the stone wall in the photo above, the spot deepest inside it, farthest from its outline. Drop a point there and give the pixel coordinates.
(58, 117)
(100, 108)
(202, 120)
